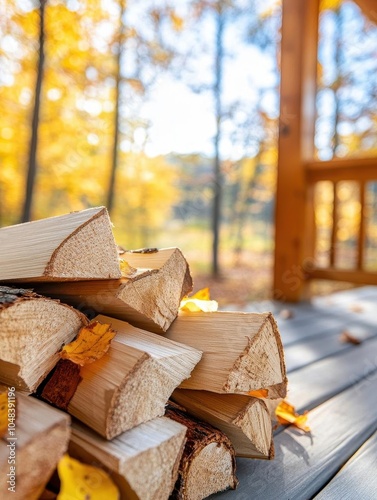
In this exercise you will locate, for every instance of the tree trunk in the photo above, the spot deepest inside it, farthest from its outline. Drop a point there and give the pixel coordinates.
(118, 80)
(32, 163)
(217, 179)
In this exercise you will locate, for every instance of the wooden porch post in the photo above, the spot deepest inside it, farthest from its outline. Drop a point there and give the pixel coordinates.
(294, 225)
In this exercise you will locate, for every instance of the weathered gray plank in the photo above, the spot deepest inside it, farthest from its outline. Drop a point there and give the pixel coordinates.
(312, 349)
(314, 384)
(357, 479)
(305, 463)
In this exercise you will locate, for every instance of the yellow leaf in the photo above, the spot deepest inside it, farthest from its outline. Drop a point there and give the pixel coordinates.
(200, 301)
(80, 481)
(260, 393)
(3, 412)
(126, 270)
(176, 21)
(286, 414)
(92, 342)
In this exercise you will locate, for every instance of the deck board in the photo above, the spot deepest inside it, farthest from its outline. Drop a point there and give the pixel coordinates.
(336, 382)
(357, 479)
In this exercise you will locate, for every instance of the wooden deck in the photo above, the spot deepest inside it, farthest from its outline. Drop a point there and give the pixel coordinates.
(337, 382)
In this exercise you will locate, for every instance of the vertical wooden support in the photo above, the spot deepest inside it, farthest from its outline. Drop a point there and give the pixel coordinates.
(294, 247)
(334, 228)
(362, 228)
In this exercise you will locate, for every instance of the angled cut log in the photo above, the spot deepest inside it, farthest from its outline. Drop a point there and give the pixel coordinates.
(245, 420)
(242, 352)
(79, 245)
(143, 461)
(32, 331)
(42, 436)
(130, 384)
(148, 297)
(208, 463)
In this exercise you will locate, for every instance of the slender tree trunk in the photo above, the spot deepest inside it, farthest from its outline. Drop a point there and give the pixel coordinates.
(339, 77)
(32, 162)
(218, 178)
(118, 81)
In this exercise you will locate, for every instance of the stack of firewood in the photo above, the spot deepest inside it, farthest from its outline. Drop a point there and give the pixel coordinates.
(176, 397)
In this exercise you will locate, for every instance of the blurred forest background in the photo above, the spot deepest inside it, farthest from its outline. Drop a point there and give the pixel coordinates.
(167, 113)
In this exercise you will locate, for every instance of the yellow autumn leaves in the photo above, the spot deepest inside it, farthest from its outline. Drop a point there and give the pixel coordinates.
(200, 301)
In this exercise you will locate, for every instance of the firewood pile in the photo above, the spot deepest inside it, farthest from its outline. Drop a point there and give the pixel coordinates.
(174, 395)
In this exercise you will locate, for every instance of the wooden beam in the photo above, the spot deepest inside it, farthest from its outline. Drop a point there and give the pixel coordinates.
(369, 9)
(361, 169)
(352, 276)
(296, 145)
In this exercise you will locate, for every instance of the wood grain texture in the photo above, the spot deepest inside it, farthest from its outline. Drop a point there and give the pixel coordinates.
(357, 478)
(132, 382)
(79, 245)
(245, 420)
(32, 332)
(143, 461)
(148, 299)
(208, 462)
(42, 437)
(241, 351)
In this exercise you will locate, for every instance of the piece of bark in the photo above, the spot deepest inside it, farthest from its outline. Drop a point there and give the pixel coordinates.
(61, 387)
(143, 461)
(42, 436)
(79, 245)
(132, 382)
(148, 296)
(245, 420)
(242, 352)
(32, 331)
(208, 463)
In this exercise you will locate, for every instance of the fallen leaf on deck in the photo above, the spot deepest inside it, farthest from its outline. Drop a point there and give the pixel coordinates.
(93, 341)
(80, 481)
(286, 414)
(357, 308)
(126, 270)
(3, 412)
(200, 301)
(286, 314)
(260, 393)
(351, 339)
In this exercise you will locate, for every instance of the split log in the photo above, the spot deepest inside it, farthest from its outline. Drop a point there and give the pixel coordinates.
(143, 462)
(245, 420)
(208, 464)
(130, 384)
(79, 245)
(242, 352)
(42, 436)
(148, 297)
(32, 331)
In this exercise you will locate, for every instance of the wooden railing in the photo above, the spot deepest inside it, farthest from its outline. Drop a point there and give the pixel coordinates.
(361, 171)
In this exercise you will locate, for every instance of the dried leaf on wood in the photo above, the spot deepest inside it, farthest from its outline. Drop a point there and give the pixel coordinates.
(92, 342)
(126, 270)
(3, 412)
(286, 414)
(346, 337)
(260, 393)
(80, 481)
(199, 301)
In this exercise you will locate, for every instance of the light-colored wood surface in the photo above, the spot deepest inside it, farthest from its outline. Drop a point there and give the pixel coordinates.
(149, 298)
(245, 420)
(42, 436)
(79, 245)
(242, 352)
(132, 383)
(32, 332)
(143, 461)
(339, 392)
